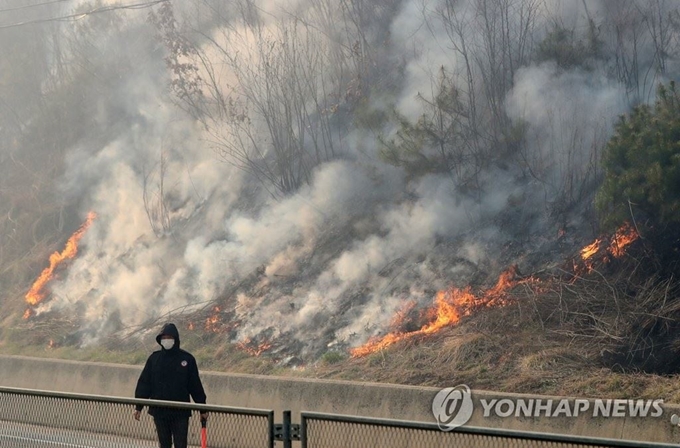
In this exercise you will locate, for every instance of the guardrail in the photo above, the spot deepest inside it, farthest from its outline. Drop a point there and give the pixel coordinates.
(344, 431)
(36, 418)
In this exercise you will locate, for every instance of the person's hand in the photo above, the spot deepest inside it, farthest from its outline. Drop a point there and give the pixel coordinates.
(204, 416)
(136, 414)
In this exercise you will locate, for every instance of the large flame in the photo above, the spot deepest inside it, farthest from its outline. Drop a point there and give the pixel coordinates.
(36, 294)
(449, 306)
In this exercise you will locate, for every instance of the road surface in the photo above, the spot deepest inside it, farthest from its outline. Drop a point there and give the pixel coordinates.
(19, 435)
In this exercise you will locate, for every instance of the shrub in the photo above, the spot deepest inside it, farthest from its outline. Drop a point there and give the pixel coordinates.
(332, 357)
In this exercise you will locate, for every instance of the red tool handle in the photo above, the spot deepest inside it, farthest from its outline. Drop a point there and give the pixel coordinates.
(204, 434)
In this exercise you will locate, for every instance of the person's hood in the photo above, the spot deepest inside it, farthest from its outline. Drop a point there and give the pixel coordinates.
(169, 329)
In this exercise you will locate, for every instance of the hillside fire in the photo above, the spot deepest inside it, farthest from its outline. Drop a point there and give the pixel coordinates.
(453, 304)
(449, 306)
(252, 348)
(37, 292)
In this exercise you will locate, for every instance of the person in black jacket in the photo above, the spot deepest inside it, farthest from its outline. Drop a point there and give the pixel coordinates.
(170, 374)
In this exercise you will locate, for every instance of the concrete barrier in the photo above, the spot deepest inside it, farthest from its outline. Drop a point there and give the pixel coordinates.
(341, 397)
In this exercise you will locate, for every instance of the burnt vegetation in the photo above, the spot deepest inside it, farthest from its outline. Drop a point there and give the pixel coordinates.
(278, 95)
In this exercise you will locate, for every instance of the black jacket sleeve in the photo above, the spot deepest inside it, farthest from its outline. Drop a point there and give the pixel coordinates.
(143, 389)
(195, 385)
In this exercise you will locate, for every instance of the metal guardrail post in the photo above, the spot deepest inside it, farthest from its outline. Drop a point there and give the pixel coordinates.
(272, 431)
(287, 431)
(287, 442)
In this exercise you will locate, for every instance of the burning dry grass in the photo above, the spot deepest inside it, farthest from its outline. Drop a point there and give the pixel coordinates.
(572, 332)
(452, 305)
(449, 307)
(591, 334)
(547, 341)
(37, 293)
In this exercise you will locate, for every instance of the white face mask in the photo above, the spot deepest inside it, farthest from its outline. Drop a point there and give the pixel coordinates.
(167, 343)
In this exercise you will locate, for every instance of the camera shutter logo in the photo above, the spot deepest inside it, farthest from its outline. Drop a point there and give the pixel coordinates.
(452, 407)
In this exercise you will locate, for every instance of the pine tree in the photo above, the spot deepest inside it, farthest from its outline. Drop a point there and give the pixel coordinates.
(642, 165)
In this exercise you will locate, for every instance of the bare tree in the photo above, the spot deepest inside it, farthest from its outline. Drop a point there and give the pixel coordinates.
(464, 120)
(661, 21)
(493, 38)
(644, 38)
(155, 197)
(266, 94)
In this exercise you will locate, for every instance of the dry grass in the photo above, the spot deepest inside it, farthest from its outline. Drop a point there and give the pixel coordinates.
(550, 340)
(519, 359)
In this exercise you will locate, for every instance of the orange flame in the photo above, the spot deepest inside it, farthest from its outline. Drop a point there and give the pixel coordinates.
(36, 294)
(211, 323)
(28, 313)
(247, 346)
(449, 306)
(216, 322)
(591, 249)
(623, 238)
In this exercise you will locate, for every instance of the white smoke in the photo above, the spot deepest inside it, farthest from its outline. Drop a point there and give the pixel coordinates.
(570, 116)
(333, 261)
(337, 194)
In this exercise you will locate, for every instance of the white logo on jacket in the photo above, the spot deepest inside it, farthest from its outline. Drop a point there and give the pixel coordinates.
(184, 363)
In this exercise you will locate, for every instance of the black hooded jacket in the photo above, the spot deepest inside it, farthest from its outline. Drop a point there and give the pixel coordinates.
(170, 375)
